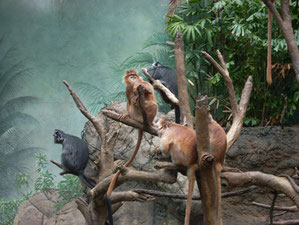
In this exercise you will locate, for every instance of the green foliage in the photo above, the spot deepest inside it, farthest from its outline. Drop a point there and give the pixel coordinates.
(239, 30)
(45, 179)
(69, 188)
(8, 210)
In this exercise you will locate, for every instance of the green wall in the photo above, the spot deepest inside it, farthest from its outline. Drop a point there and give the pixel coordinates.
(77, 41)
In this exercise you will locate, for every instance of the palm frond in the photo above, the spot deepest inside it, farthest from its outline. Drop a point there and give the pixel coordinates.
(117, 68)
(8, 58)
(97, 98)
(141, 59)
(9, 168)
(13, 84)
(17, 105)
(89, 92)
(10, 139)
(20, 120)
(157, 39)
(164, 56)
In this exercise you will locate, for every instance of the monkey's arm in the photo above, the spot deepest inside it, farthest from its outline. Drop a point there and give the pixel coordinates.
(148, 88)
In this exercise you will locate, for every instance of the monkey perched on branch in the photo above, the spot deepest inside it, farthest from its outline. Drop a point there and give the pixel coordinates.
(134, 110)
(74, 156)
(180, 143)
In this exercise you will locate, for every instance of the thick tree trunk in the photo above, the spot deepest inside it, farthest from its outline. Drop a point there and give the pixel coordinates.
(180, 70)
(211, 199)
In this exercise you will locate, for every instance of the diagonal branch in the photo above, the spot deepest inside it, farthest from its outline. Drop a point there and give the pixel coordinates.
(225, 74)
(158, 85)
(130, 174)
(238, 110)
(95, 121)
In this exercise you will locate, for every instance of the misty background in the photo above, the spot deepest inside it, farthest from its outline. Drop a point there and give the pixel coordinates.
(72, 40)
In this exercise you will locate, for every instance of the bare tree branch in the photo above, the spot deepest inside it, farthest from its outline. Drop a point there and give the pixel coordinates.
(225, 74)
(83, 207)
(279, 184)
(183, 196)
(278, 208)
(238, 110)
(158, 85)
(129, 174)
(130, 196)
(286, 222)
(96, 122)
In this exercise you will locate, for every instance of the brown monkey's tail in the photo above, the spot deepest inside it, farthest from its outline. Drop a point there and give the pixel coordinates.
(269, 59)
(114, 179)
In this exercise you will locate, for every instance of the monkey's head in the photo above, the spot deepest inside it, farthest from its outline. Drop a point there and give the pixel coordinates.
(152, 70)
(58, 136)
(131, 77)
(162, 126)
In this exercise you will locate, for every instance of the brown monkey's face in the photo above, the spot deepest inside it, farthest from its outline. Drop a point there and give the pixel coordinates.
(58, 136)
(131, 77)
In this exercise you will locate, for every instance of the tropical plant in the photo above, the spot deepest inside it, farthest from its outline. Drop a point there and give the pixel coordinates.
(16, 149)
(238, 29)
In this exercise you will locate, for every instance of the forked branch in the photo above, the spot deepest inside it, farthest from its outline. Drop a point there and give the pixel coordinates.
(238, 110)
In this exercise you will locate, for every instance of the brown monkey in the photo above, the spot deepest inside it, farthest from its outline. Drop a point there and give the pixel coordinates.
(133, 81)
(269, 58)
(180, 143)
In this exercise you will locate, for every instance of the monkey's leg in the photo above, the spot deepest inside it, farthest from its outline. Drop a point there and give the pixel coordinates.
(191, 179)
(56, 163)
(218, 168)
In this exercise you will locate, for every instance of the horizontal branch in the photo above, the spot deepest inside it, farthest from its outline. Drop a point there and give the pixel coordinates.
(158, 85)
(130, 122)
(130, 174)
(278, 208)
(279, 184)
(183, 196)
(286, 222)
(130, 196)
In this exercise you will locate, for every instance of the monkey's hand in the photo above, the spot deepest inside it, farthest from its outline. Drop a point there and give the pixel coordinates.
(123, 116)
(135, 99)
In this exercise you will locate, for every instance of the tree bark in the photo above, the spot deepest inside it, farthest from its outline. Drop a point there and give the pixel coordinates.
(180, 70)
(208, 181)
